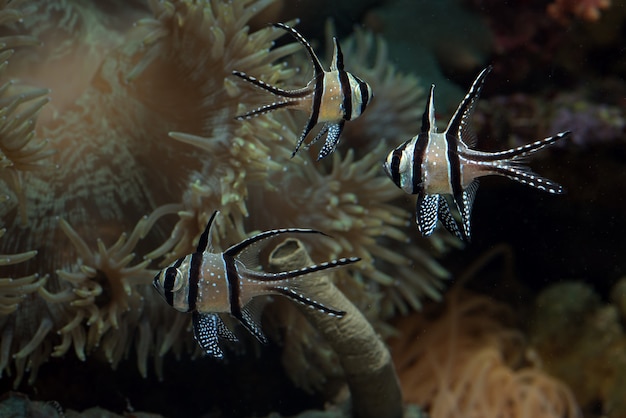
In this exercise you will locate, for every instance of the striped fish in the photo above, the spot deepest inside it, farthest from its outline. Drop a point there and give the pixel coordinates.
(433, 165)
(332, 97)
(215, 287)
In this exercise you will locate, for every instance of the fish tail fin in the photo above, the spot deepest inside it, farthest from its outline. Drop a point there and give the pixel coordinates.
(294, 285)
(525, 175)
(263, 110)
(517, 154)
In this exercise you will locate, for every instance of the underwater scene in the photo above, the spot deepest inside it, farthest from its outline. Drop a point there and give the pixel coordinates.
(311, 208)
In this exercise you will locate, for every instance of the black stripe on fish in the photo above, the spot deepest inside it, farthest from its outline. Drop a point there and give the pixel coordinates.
(315, 112)
(364, 94)
(232, 280)
(394, 168)
(454, 172)
(168, 284)
(346, 92)
(194, 279)
(419, 152)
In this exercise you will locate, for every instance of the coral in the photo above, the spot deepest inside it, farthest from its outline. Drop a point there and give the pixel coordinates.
(519, 116)
(466, 362)
(366, 361)
(597, 342)
(561, 10)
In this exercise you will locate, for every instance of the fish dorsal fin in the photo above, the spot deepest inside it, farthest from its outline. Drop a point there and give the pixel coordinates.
(316, 62)
(459, 125)
(251, 317)
(204, 243)
(337, 63)
(426, 213)
(206, 331)
(428, 119)
(446, 218)
(247, 251)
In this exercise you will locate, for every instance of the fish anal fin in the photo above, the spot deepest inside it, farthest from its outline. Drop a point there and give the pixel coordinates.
(251, 317)
(447, 219)
(469, 194)
(308, 128)
(205, 331)
(224, 331)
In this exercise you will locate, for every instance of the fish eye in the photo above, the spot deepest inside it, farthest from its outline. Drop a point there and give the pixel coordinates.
(171, 280)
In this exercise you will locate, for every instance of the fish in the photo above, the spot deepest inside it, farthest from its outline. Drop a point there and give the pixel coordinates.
(217, 287)
(441, 166)
(331, 97)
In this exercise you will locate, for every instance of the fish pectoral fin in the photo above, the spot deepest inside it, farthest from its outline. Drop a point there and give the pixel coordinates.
(205, 331)
(427, 212)
(300, 297)
(251, 317)
(332, 139)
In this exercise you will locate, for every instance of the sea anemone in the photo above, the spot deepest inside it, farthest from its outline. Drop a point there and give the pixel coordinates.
(467, 362)
(110, 162)
(144, 148)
